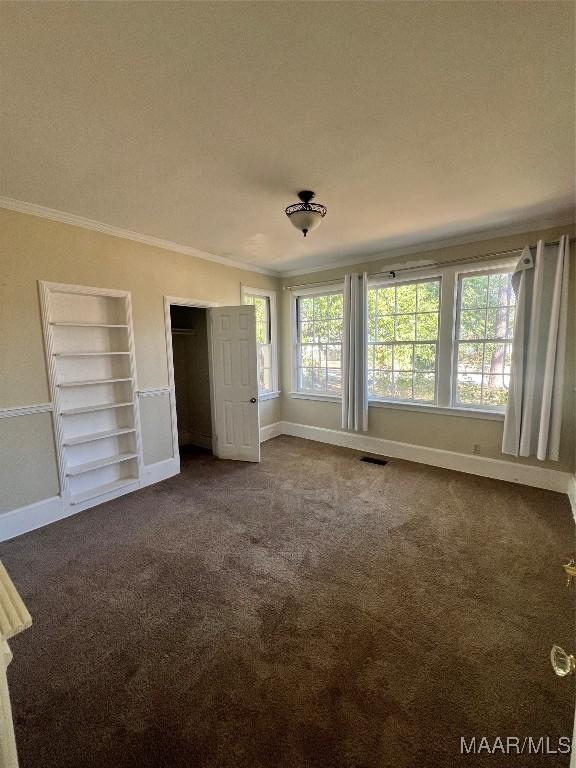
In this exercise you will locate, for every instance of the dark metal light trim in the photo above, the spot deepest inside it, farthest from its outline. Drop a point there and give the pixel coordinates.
(316, 207)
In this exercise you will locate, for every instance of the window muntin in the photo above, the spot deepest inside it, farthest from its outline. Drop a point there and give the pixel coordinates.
(319, 323)
(403, 323)
(483, 339)
(261, 306)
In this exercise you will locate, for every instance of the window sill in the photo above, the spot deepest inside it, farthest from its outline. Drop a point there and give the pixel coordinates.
(316, 396)
(443, 410)
(268, 396)
(263, 396)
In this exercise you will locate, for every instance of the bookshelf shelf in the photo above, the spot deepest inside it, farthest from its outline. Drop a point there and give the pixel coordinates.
(90, 353)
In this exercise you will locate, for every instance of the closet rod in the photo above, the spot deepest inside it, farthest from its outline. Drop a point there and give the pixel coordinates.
(432, 265)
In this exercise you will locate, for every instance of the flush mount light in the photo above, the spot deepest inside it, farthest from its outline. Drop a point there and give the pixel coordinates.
(306, 216)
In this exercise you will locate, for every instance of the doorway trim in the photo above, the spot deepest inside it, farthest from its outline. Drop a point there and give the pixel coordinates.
(175, 301)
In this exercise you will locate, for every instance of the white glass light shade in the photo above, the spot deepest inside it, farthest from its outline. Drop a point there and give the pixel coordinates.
(305, 220)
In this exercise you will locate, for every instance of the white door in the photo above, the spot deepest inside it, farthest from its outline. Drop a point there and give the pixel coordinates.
(234, 378)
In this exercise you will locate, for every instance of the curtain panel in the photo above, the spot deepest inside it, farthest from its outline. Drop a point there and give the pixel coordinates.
(354, 376)
(534, 412)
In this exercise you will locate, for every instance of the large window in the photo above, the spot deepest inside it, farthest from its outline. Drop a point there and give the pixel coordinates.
(435, 338)
(265, 310)
(319, 343)
(403, 340)
(484, 335)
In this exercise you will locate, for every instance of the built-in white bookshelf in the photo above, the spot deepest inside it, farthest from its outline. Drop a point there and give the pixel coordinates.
(90, 353)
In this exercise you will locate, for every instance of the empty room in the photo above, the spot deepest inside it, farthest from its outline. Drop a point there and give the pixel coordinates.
(287, 384)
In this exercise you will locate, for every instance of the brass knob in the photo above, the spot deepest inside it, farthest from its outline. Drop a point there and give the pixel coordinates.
(570, 570)
(562, 663)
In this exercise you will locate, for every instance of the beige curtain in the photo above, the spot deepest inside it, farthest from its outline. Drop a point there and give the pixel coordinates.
(534, 411)
(354, 375)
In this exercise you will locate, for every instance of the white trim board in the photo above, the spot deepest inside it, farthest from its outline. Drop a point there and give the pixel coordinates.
(41, 513)
(270, 431)
(537, 477)
(20, 206)
(154, 392)
(161, 470)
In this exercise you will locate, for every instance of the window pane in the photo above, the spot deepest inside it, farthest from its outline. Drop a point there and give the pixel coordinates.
(425, 357)
(474, 291)
(406, 298)
(405, 327)
(424, 386)
(473, 324)
(403, 357)
(399, 317)
(429, 296)
(261, 306)
(470, 357)
(382, 357)
(427, 326)
(319, 343)
(486, 324)
(498, 325)
(403, 386)
(385, 326)
(306, 309)
(469, 388)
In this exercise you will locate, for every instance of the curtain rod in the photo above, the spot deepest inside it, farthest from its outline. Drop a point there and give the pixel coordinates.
(448, 262)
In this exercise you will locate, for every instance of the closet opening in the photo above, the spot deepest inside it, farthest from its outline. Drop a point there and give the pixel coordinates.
(190, 355)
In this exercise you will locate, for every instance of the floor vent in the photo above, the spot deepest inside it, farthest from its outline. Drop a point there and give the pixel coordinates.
(374, 460)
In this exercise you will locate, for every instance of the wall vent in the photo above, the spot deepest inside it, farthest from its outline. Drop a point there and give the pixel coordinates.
(374, 460)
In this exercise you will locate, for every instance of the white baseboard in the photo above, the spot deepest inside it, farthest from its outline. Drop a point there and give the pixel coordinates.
(161, 470)
(32, 516)
(41, 513)
(537, 477)
(270, 431)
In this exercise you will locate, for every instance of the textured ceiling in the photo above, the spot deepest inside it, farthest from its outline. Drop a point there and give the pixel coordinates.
(199, 122)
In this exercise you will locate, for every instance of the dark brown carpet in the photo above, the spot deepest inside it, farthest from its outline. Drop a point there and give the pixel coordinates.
(312, 610)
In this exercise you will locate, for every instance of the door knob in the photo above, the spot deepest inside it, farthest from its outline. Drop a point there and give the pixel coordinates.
(562, 663)
(570, 570)
(253, 400)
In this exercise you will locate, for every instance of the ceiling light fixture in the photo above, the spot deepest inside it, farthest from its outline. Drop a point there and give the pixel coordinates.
(306, 216)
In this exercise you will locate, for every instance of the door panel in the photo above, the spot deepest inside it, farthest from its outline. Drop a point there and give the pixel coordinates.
(234, 377)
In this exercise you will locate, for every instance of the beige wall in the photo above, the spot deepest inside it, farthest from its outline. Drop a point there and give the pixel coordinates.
(33, 249)
(453, 433)
(28, 471)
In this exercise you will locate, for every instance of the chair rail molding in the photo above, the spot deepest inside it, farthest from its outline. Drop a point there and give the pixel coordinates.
(25, 410)
(154, 392)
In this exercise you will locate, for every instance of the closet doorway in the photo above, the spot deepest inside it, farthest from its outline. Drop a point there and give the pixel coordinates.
(192, 391)
(213, 377)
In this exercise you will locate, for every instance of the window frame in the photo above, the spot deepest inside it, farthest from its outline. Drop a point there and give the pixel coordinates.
(447, 345)
(457, 341)
(387, 283)
(329, 289)
(270, 294)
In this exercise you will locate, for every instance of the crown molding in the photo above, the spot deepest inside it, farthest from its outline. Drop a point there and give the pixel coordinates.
(433, 245)
(20, 206)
